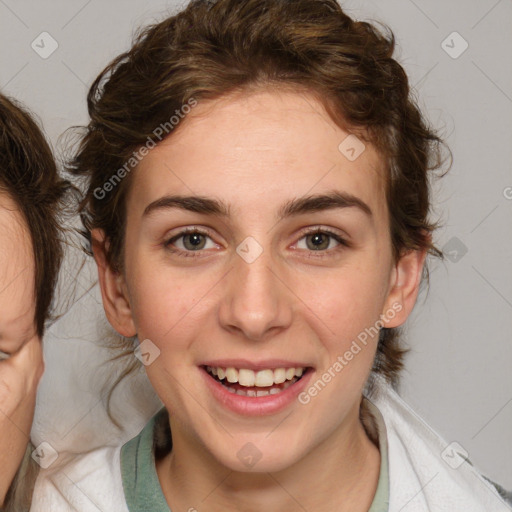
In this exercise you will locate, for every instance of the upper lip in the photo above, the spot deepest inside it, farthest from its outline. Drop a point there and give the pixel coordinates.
(254, 365)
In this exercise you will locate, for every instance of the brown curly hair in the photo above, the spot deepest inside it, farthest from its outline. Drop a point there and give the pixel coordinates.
(28, 175)
(213, 48)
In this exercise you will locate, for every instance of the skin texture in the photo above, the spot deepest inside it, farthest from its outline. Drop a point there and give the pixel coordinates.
(256, 152)
(20, 374)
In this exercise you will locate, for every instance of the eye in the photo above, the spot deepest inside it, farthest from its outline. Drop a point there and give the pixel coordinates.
(188, 241)
(320, 240)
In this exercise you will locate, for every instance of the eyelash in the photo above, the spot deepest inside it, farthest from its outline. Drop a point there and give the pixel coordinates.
(313, 254)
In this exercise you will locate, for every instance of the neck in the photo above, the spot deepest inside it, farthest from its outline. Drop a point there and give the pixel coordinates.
(339, 474)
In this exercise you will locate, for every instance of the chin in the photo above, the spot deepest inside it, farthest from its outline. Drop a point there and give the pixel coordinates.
(257, 455)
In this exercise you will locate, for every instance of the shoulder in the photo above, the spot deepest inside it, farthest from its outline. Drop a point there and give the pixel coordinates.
(426, 473)
(85, 482)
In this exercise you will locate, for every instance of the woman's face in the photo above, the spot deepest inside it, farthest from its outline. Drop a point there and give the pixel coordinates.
(21, 370)
(251, 286)
(17, 298)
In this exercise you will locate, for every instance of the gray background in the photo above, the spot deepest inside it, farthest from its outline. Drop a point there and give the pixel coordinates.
(458, 375)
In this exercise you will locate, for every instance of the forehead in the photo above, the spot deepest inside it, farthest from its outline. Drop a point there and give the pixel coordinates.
(13, 229)
(251, 148)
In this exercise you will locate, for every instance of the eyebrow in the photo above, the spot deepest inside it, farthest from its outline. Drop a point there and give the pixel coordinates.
(299, 206)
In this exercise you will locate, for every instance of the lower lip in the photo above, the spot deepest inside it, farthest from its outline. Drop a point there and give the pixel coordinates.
(259, 405)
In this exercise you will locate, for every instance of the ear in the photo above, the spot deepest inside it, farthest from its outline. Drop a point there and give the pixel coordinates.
(113, 288)
(404, 287)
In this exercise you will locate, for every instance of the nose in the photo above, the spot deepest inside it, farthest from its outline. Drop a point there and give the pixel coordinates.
(256, 302)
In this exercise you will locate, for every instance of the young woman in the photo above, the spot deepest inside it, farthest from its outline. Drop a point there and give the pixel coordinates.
(257, 206)
(30, 255)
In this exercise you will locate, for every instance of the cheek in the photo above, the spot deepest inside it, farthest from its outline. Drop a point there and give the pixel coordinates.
(349, 299)
(345, 313)
(165, 301)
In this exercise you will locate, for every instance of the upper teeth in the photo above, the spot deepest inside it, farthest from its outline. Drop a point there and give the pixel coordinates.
(262, 378)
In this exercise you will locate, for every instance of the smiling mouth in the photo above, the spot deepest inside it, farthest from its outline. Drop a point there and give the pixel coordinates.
(245, 382)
